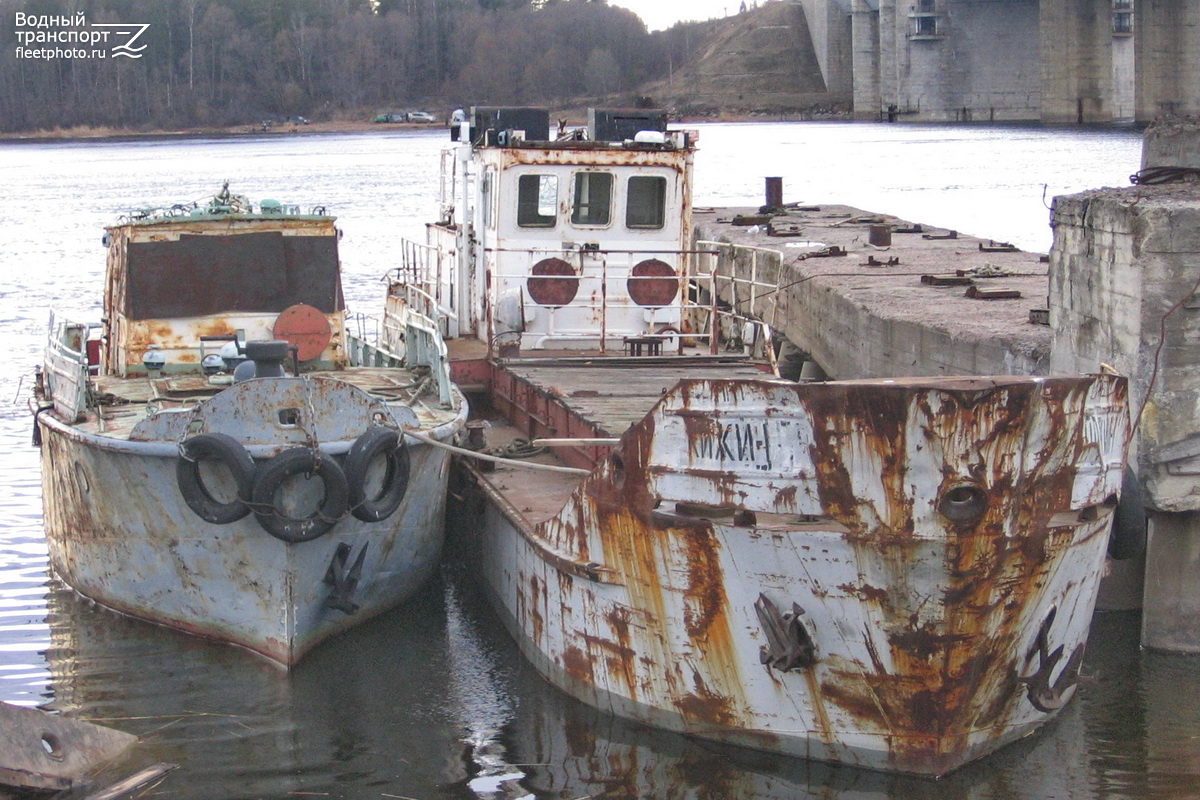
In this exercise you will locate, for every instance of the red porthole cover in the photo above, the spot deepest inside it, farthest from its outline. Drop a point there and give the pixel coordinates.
(652, 283)
(553, 282)
(305, 328)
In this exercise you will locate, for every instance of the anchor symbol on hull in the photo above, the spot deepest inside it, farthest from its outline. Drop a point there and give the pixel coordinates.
(1044, 695)
(789, 644)
(344, 581)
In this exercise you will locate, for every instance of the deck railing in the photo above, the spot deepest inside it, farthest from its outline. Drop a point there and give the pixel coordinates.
(65, 374)
(709, 308)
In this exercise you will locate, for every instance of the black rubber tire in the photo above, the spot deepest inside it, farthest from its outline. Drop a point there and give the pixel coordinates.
(273, 474)
(1128, 537)
(227, 450)
(375, 442)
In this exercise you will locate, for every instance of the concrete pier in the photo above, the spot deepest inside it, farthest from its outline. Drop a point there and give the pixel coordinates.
(1125, 271)
(869, 313)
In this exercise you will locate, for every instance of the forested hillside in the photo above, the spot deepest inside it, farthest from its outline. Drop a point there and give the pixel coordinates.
(235, 62)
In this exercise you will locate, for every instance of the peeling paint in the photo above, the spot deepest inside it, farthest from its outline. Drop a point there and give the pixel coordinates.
(919, 524)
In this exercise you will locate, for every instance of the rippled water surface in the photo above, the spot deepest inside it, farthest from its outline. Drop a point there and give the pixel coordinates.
(432, 700)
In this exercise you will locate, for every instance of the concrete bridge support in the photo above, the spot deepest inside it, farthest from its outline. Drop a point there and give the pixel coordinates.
(829, 26)
(864, 43)
(956, 60)
(1087, 61)
(1167, 58)
(1063, 61)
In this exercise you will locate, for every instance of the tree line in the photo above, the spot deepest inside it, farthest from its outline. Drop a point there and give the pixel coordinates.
(236, 62)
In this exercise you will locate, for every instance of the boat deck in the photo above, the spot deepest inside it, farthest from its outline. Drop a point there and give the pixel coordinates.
(127, 401)
(609, 393)
(614, 393)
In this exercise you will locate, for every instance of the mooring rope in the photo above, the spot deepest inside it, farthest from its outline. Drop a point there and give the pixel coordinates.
(420, 437)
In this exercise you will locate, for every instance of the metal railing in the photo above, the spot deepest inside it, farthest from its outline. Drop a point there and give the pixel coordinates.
(65, 374)
(748, 296)
(709, 307)
(426, 281)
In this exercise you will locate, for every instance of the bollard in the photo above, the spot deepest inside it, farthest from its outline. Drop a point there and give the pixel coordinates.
(775, 192)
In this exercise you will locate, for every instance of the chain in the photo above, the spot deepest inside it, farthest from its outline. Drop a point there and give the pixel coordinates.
(308, 425)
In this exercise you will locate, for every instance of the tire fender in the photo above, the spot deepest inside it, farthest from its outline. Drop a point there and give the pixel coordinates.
(378, 441)
(228, 451)
(274, 473)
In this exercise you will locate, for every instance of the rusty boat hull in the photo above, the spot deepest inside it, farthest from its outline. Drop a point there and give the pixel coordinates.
(120, 532)
(894, 575)
(220, 454)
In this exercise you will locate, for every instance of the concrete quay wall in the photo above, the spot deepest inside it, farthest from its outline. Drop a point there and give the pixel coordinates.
(861, 321)
(1125, 270)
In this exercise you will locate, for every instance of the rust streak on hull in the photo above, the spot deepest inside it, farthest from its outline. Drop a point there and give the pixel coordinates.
(923, 594)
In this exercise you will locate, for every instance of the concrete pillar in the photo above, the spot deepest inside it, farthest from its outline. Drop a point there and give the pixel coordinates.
(1123, 292)
(864, 38)
(954, 60)
(1167, 57)
(829, 25)
(1077, 61)
(889, 64)
(1171, 614)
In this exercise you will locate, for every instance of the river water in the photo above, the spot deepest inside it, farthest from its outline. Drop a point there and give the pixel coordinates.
(432, 700)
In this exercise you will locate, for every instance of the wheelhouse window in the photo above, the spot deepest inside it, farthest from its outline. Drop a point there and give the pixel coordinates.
(537, 201)
(593, 198)
(647, 200)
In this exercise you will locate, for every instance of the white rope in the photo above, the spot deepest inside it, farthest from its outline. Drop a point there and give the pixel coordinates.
(512, 462)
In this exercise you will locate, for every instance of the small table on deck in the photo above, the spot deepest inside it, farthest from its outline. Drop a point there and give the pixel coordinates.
(643, 345)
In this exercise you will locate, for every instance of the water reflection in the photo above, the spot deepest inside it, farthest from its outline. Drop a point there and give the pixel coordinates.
(370, 714)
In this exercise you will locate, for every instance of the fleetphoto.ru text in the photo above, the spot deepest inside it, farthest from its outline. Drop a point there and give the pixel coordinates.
(52, 36)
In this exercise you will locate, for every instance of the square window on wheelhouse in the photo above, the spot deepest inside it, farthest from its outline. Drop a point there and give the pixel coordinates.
(646, 203)
(593, 198)
(537, 201)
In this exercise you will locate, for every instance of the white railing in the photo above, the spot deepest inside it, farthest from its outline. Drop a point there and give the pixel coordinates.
(65, 374)
(699, 311)
(427, 281)
(708, 308)
(747, 296)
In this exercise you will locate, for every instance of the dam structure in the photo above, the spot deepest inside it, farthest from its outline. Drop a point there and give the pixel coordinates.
(1054, 61)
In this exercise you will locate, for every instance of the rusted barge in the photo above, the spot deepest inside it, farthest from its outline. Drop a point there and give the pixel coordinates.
(220, 456)
(892, 574)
